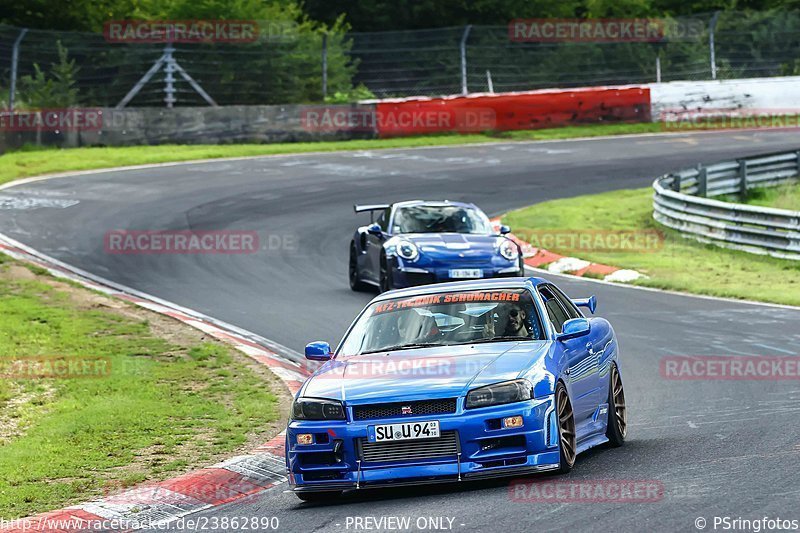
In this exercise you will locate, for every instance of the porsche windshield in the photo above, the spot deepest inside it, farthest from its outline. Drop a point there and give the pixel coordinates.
(440, 219)
(444, 319)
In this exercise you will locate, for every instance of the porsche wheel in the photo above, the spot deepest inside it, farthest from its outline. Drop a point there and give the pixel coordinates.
(355, 280)
(322, 496)
(617, 428)
(566, 429)
(386, 275)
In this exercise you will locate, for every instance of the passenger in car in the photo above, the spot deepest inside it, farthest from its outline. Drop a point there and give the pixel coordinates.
(515, 322)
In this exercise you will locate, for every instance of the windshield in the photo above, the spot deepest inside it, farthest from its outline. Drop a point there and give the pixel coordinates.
(440, 219)
(444, 319)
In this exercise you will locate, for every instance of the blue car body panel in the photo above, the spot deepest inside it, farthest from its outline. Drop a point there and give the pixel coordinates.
(337, 459)
(439, 253)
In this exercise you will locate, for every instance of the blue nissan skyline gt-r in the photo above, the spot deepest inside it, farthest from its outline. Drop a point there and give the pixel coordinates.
(456, 381)
(417, 243)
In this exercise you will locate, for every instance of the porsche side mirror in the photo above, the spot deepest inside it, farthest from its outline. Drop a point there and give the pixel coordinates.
(374, 229)
(590, 303)
(318, 351)
(574, 327)
(505, 230)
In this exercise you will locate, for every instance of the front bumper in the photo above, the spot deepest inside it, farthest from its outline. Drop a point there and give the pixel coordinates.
(411, 276)
(335, 461)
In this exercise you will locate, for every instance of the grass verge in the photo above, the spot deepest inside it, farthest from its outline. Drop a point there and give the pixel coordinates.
(169, 399)
(782, 197)
(676, 263)
(35, 162)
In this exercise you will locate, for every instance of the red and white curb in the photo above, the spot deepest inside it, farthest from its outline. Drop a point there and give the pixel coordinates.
(559, 264)
(154, 504)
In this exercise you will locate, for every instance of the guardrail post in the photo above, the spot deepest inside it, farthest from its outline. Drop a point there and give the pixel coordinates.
(702, 180)
(676, 182)
(797, 154)
(743, 178)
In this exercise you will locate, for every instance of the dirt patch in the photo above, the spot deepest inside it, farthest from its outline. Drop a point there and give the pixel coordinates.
(13, 419)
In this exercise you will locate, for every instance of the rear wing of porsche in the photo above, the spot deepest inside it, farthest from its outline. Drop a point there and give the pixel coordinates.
(371, 208)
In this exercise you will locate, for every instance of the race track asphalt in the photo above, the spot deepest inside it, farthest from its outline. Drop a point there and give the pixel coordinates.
(719, 448)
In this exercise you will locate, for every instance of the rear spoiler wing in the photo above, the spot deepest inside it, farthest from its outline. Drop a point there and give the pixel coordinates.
(371, 208)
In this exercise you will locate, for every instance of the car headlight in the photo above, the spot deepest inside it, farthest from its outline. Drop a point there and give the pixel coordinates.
(517, 390)
(407, 250)
(316, 409)
(509, 250)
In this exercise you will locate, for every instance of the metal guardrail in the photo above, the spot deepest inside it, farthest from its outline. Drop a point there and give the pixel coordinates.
(683, 201)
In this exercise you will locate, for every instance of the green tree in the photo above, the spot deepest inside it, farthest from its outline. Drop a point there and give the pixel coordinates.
(56, 89)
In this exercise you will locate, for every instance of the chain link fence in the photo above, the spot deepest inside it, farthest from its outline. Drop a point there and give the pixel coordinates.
(310, 67)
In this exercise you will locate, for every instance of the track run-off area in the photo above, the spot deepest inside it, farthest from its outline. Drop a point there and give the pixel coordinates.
(718, 448)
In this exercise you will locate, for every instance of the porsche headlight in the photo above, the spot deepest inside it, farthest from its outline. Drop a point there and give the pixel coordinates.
(317, 409)
(407, 250)
(517, 390)
(509, 250)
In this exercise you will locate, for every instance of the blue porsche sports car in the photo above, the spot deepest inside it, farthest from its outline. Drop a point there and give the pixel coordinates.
(456, 381)
(416, 243)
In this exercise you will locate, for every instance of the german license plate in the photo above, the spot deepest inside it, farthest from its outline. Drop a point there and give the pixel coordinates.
(466, 273)
(405, 431)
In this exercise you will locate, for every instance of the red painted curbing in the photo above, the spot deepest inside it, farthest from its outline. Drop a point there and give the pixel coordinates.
(214, 486)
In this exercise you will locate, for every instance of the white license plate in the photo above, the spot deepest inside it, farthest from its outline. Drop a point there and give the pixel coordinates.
(466, 273)
(406, 431)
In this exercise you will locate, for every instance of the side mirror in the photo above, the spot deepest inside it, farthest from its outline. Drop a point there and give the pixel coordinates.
(374, 229)
(574, 327)
(590, 303)
(318, 351)
(505, 230)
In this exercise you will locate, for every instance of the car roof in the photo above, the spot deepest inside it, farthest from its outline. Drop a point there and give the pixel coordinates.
(433, 203)
(472, 285)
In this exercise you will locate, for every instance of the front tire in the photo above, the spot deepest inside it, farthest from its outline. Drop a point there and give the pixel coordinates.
(352, 270)
(566, 430)
(617, 427)
(386, 277)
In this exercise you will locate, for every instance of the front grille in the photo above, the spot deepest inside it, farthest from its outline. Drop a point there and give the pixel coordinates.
(446, 445)
(390, 410)
(419, 278)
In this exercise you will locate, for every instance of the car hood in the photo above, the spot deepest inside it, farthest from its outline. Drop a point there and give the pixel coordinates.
(463, 245)
(441, 372)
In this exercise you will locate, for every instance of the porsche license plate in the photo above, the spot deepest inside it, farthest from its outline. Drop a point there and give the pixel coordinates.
(461, 273)
(406, 431)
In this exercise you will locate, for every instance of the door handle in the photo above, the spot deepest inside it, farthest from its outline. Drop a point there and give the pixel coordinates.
(589, 346)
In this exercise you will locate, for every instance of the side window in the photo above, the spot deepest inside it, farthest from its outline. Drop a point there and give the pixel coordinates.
(383, 220)
(566, 303)
(554, 311)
